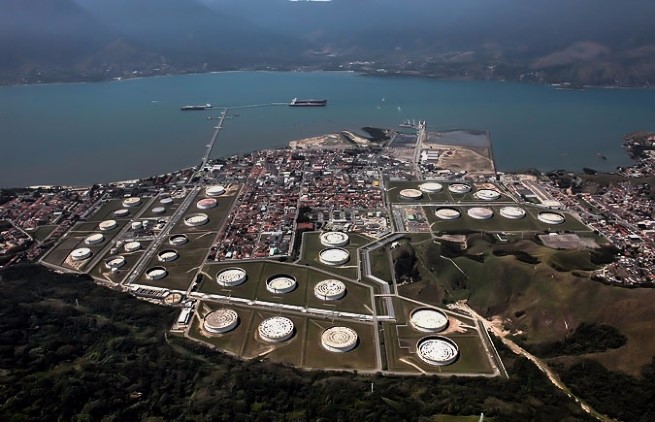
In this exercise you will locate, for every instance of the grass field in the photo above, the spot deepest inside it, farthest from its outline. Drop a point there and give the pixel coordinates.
(381, 265)
(543, 304)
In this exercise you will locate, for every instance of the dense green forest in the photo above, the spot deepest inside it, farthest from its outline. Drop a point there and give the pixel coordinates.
(70, 350)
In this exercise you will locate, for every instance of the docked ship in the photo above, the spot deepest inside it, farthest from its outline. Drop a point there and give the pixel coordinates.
(307, 103)
(196, 107)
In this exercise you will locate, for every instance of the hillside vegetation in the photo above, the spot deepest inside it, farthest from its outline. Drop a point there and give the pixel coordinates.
(70, 350)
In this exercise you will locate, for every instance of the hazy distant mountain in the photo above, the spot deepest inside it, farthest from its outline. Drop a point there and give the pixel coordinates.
(60, 41)
(582, 41)
(188, 32)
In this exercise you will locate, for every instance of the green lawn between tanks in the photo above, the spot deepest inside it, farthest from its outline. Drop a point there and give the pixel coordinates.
(394, 188)
(89, 227)
(101, 272)
(59, 255)
(499, 223)
(362, 357)
(216, 215)
(106, 212)
(311, 246)
(381, 265)
(303, 349)
(234, 341)
(357, 298)
(181, 271)
(472, 355)
(169, 208)
(42, 232)
(289, 352)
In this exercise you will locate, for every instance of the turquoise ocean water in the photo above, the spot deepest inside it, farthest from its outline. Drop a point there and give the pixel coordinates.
(97, 132)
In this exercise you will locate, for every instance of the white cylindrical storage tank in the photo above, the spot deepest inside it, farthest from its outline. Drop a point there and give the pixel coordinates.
(80, 254)
(480, 213)
(330, 289)
(276, 329)
(487, 194)
(123, 212)
(168, 255)
(411, 194)
(207, 203)
(156, 273)
(220, 321)
(428, 320)
(136, 225)
(437, 351)
(431, 187)
(549, 217)
(158, 210)
(448, 213)
(339, 339)
(178, 240)
(333, 256)
(166, 201)
(115, 262)
(513, 213)
(195, 220)
(107, 225)
(132, 246)
(281, 283)
(231, 277)
(334, 239)
(131, 202)
(215, 190)
(94, 239)
(459, 188)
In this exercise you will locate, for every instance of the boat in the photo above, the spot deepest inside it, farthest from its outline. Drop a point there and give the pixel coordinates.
(307, 103)
(196, 107)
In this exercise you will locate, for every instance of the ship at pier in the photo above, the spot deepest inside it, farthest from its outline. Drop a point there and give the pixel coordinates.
(307, 103)
(196, 107)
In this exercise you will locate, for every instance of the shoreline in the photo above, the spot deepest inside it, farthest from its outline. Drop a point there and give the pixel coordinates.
(368, 74)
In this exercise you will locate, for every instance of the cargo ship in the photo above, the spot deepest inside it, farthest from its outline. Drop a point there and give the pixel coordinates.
(307, 103)
(196, 107)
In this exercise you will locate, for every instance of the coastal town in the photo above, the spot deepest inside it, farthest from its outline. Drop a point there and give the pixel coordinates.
(340, 189)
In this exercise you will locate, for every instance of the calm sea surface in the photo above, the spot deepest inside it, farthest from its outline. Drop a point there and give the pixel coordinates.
(97, 132)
